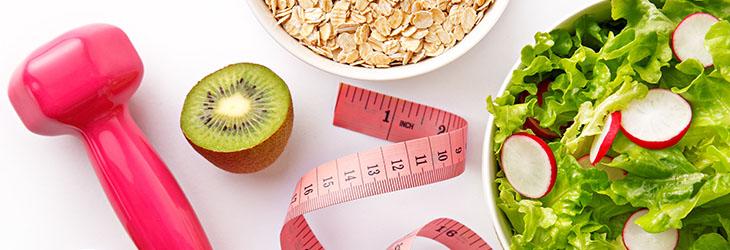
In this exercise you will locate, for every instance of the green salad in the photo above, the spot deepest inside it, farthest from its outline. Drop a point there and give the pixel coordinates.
(567, 85)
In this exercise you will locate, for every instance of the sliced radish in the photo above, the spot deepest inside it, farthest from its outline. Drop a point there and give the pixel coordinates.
(531, 123)
(635, 237)
(534, 125)
(688, 39)
(602, 142)
(657, 121)
(585, 161)
(613, 173)
(529, 165)
(542, 87)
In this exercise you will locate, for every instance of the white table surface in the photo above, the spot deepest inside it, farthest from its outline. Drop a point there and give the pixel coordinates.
(51, 199)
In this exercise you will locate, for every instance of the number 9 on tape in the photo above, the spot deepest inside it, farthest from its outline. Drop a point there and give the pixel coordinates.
(430, 146)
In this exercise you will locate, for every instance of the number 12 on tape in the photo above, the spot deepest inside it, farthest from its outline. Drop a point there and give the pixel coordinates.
(430, 147)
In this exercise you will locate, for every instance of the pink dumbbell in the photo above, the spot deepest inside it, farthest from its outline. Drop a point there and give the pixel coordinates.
(79, 84)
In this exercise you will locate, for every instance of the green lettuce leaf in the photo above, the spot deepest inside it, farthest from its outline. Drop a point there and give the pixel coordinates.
(609, 214)
(706, 141)
(682, 76)
(590, 117)
(718, 43)
(702, 222)
(599, 69)
(711, 241)
(645, 163)
(669, 200)
(571, 190)
(567, 217)
(567, 90)
(679, 9)
(715, 217)
(663, 181)
(645, 42)
(508, 117)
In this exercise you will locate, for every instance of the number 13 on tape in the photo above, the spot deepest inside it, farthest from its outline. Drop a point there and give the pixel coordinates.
(430, 147)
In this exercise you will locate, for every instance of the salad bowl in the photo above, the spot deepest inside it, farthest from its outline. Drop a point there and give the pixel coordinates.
(600, 11)
(613, 131)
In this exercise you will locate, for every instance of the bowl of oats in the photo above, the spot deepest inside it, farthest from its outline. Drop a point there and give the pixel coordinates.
(377, 39)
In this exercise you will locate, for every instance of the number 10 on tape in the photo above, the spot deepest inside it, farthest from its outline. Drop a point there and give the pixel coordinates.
(430, 147)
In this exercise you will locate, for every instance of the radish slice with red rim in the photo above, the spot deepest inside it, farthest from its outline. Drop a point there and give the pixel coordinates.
(602, 142)
(534, 125)
(529, 165)
(542, 87)
(688, 39)
(657, 121)
(585, 161)
(635, 237)
(531, 123)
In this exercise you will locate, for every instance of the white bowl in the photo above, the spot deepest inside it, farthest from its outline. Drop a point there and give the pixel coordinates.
(263, 14)
(600, 11)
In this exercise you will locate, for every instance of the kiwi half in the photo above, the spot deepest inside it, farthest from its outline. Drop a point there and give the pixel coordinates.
(239, 117)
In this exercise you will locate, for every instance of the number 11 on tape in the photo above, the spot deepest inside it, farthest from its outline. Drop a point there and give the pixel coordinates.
(430, 146)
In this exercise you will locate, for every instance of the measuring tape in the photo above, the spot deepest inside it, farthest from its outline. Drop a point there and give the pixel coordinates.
(449, 232)
(430, 147)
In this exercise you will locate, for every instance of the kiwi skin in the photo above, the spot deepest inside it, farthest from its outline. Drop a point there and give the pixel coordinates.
(247, 158)
(252, 159)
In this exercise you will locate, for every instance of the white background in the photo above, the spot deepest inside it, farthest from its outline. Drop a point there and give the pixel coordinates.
(51, 199)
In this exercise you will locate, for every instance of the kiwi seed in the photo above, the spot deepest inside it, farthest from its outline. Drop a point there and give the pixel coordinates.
(239, 117)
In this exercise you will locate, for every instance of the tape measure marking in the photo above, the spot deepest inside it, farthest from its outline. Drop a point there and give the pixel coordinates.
(446, 231)
(428, 151)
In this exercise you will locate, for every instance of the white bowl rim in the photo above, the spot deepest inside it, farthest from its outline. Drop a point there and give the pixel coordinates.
(377, 74)
(500, 224)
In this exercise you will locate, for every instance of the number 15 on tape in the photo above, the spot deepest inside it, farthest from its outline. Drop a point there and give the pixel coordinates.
(430, 145)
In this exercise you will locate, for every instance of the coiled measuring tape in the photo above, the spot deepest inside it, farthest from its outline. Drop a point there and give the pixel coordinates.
(430, 147)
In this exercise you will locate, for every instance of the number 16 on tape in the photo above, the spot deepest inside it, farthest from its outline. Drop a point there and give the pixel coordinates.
(430, 147)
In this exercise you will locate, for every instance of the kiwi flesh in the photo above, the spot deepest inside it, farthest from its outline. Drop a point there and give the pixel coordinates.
(239, 117)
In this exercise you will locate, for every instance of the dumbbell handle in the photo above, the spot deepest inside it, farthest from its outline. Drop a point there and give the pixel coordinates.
(143, 192)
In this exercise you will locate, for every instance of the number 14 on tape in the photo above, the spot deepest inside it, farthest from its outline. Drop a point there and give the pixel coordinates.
(430, 147)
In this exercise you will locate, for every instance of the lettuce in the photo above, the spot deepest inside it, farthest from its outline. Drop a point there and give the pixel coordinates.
(597, 69)
(508, 117)
(702, 228)
(707, 143)
(669, 199)
(711, 241)
(718, 42)
(672, 182)
(574, 69)
(570, 216)
(590, 117)
(678, 9)
(611, 215)
(685, 176)
(644, 43)
(640, 162)
(716, 218)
